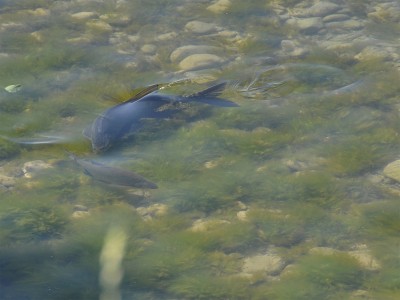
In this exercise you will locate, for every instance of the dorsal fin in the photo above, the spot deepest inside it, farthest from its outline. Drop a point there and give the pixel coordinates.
(143, 93)
(212, 91)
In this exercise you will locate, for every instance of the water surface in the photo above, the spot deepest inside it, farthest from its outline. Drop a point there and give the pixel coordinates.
(283, 197)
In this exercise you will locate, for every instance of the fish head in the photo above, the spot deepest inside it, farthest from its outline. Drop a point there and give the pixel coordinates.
(101, 142)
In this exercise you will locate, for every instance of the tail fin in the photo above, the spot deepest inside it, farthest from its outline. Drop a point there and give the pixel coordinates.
(210, 96)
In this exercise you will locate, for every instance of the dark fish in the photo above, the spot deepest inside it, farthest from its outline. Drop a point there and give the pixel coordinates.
(126, 117)
(112, 175)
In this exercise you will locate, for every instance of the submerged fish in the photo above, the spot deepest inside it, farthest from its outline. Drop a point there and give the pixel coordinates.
(124, 118)
(43, 140)
(112, 175)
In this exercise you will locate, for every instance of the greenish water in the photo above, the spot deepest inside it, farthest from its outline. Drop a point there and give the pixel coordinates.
(292, 177)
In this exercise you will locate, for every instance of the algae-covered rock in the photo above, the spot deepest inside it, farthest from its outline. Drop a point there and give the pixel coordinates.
(7, 149)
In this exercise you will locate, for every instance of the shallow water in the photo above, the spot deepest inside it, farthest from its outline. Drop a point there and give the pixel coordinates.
(283, 197)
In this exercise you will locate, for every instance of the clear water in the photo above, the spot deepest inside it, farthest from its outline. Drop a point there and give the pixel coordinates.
(292, 176)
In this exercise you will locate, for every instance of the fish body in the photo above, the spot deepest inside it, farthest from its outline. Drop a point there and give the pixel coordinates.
(124, 118)
(112, 175)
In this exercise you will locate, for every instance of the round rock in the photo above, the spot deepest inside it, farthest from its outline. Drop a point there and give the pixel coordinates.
(200, 27)
(392, 170)
(200, 61)
(180, 53)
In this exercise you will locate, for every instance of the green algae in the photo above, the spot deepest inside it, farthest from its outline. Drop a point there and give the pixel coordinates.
(201, 286)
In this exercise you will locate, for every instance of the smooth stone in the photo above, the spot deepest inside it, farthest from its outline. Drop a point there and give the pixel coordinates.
(392, 170)
(335, 18)
(83, 15)
(180, 53)
(116, 19)
(30, 168)
(322, 9)
(154, 210)
(80, 214)
(6, 181)
(346, 25)
(149, 49)
(166, 36)
(270, 264)
(202, 225)
(200, 61)
(220, 6)
(307, 25)
(377, 52)
(364, 258)
(200, 27)
(99, 25)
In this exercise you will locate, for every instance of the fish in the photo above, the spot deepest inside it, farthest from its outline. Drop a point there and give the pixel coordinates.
(112, 175)
(116, 122)
(43, 140)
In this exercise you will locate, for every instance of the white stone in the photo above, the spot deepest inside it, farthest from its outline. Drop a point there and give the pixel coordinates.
(392, 170)
(84, 15)
(200, 27)
(30, 168)
(323, 8)
(270, 264)
(200, 61)
(220, 6)
(180, 53)
(148, 48)
(7, 181)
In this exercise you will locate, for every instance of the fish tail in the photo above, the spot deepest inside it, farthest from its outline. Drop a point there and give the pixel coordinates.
(210, 96)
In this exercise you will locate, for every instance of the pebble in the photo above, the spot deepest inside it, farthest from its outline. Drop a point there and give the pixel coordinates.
(202, 225)
(184, 51)
(154, 210)
(335, 18)
(351, 24)
(306, 25)
(30, 168)
(200, 61)
(269, 264)
(220, 6)
(392, 170)
(322, 9)
(200, 27)
(99, 25)
(84, 15)
(149, 48)
(166, 36)
(361, 254)
(6, 181)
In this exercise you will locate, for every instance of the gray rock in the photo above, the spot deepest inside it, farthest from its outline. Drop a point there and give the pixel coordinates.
(200, 61)
(200, 27)
(180, 53)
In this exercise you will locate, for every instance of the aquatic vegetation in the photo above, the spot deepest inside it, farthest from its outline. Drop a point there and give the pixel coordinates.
(277, 228)
(39, 223)
(203, 286)
(8, 149)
